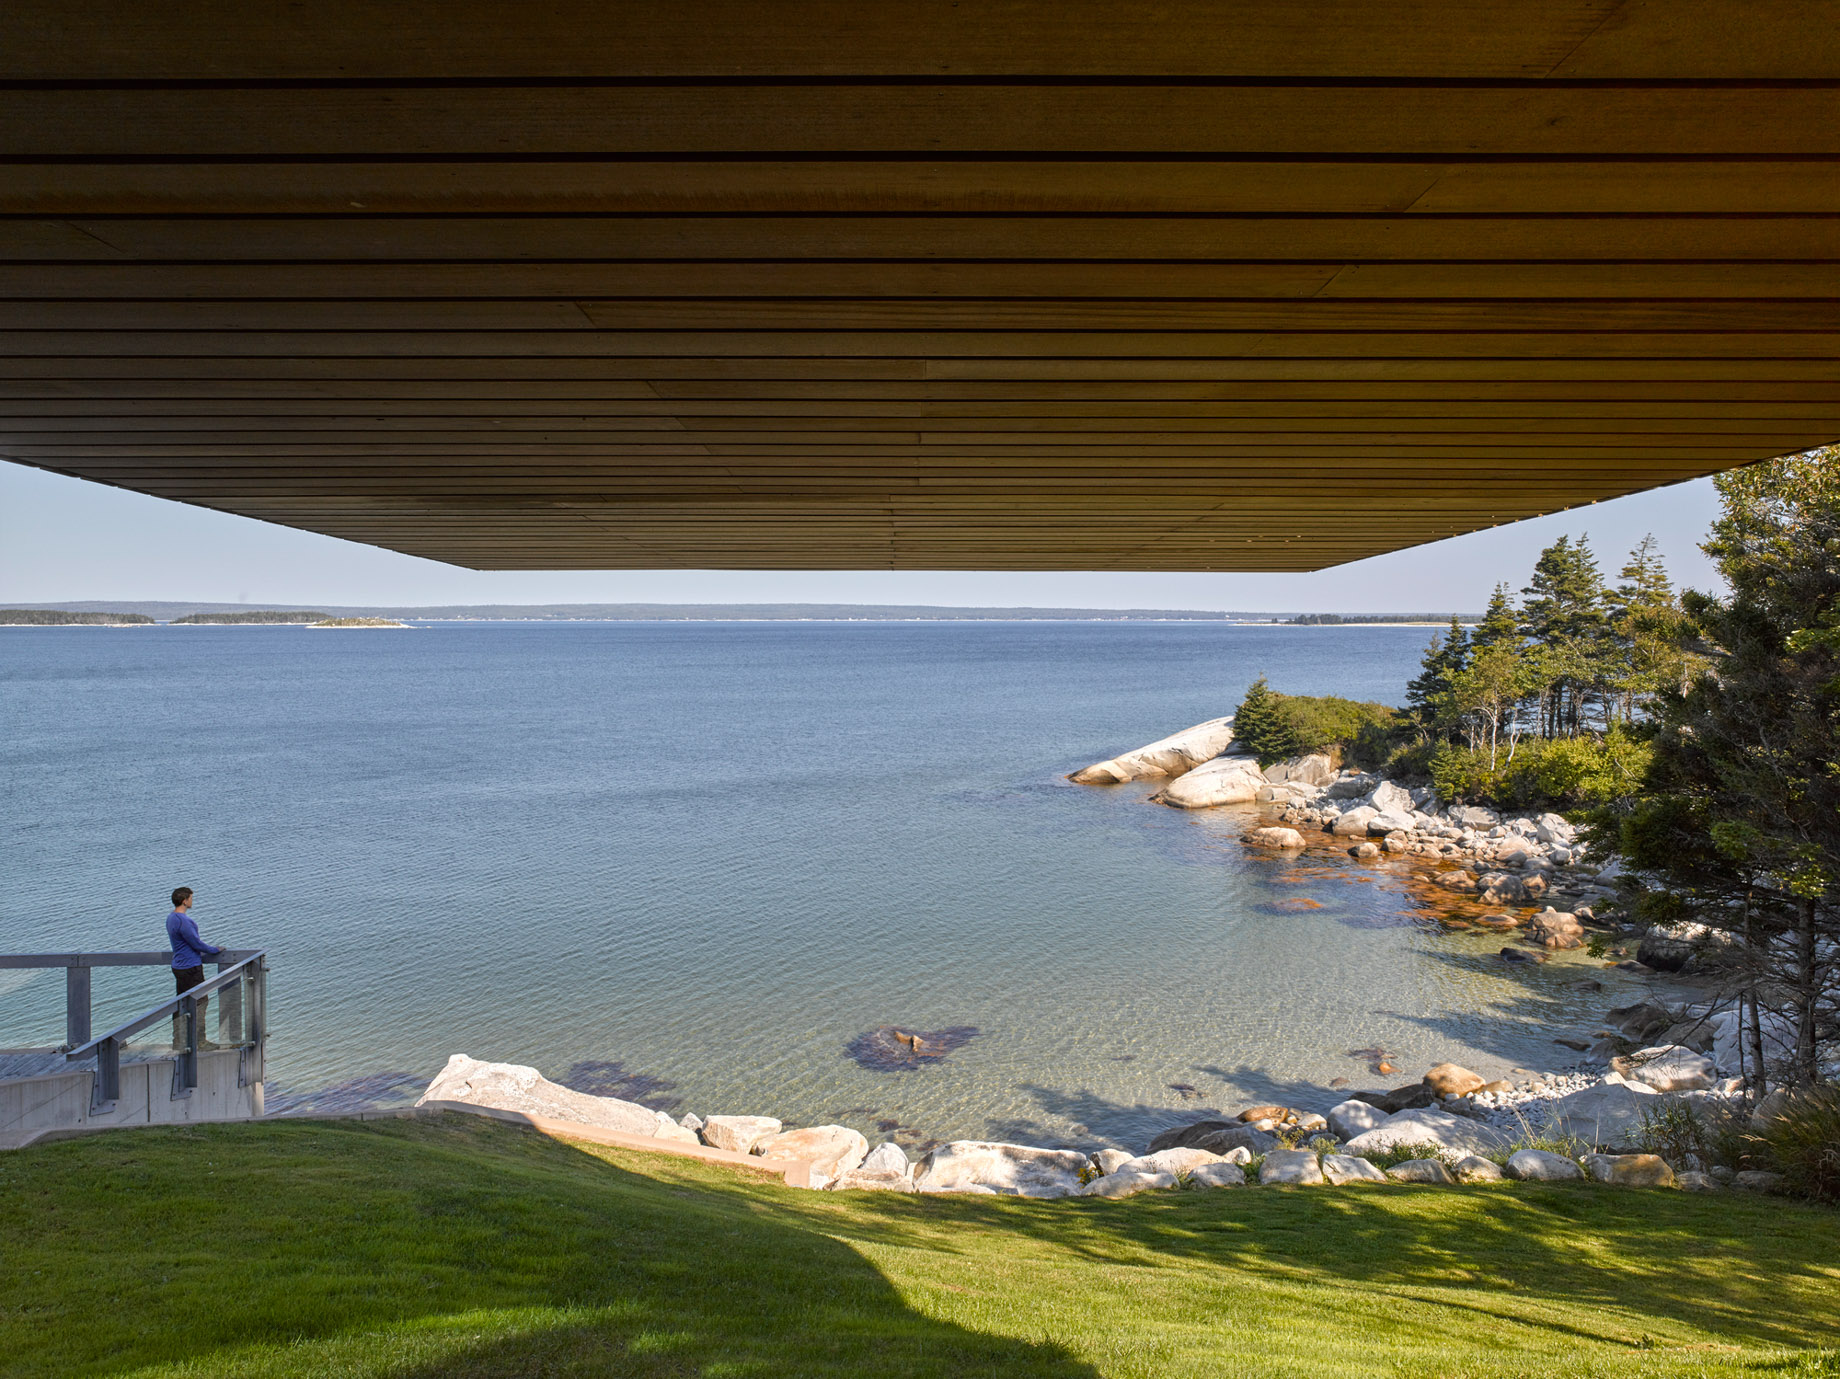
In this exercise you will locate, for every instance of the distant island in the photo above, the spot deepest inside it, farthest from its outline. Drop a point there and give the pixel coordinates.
(1363, 619)
(227, 614)
(358, 622)
(263, 618)
(62, 617)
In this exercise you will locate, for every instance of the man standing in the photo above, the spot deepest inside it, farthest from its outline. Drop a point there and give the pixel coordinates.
(189, 951)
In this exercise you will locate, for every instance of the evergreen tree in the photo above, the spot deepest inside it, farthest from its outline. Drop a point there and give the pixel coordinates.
(1650, 626)
(1739, 820)
(1259, 727)
(1428, 695)
(1566, 614)
(1499, 623)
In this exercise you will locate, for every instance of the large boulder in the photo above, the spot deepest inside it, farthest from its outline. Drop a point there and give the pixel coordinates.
(1610, 1115)
(1353, 1118)
(1168, 756)
(831, 1150)
(1312, 769)
(1553, 829)
(1275, 838)
(1126, 1183)
(1541, 1166)
(1353, 823)
(1732, 1043)
(1473, 1168)
(1421, 1171)
(1003, 1170)
(1668, 1068)
(1387, 821)
(1391, 799)
(1350, 785)
(1348, 1168)
(1453, 1079)
(1290, 1166)
(739, 1134)
(1434, 1129)
(1215, 1136)
(886, 1170)
(1472, 816)
(1228, 780)
(1629, 1170)
(1223, 1173)
(1556, 929)
(1178, 1161)
(514, 1087)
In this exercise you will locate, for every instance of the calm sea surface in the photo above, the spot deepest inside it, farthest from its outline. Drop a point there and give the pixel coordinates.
(694, 861)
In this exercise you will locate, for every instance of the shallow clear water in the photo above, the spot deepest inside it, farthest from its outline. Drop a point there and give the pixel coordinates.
(715, 853)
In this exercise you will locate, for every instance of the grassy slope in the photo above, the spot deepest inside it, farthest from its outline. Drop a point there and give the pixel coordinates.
(462, 1247)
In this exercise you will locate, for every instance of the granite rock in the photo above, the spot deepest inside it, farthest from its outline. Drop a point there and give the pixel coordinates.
(1169, 756)
(1006, 1170)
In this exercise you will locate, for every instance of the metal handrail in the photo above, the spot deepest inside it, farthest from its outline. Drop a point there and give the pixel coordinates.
(169, 1008)
(250, 1026)
(144, 959)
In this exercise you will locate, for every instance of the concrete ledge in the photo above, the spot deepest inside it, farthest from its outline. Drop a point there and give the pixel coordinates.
(796, 1173)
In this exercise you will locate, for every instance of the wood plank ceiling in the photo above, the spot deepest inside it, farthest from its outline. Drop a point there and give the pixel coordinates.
(1024, 285)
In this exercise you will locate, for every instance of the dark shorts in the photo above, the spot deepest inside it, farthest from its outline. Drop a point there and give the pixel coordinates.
(185, 978)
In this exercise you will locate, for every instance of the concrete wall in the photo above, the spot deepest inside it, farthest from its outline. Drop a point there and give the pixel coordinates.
(60, 1101)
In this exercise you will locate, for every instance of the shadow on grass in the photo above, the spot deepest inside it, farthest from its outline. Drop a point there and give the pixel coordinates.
(451, 1247)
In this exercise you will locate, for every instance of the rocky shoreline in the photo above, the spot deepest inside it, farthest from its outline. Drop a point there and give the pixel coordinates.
(1449, 1127)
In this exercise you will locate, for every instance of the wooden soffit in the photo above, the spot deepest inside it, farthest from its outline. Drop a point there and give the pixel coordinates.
(923, 285)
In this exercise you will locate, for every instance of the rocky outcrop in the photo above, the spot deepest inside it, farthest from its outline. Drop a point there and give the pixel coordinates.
(1312, 769)
(831, 1150)
(1004, 1170)
(514, 1087)
(1227, 780)
(1169, 756)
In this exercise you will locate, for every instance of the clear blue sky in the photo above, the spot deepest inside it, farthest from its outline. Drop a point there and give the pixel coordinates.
(64, 539)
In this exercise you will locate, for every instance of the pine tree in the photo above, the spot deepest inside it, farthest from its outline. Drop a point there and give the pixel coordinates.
(1499, 623)
(1739, 819)
(1428, 695)
(1650, 626)
(1565, 613)
(1259, 726)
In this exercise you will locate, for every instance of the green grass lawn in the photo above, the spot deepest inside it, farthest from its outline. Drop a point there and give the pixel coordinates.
(457, 1247)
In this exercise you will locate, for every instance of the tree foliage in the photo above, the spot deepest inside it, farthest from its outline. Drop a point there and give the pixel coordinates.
(1738, 821)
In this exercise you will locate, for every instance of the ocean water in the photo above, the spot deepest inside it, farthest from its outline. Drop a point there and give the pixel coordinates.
(697, 862)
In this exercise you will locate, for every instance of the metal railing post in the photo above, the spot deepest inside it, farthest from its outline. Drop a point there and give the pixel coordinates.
(76, 1005)
(105, 1091)
(185, 1064)
(230, 1012)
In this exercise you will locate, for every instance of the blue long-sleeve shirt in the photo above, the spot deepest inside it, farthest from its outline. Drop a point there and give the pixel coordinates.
(189, 950)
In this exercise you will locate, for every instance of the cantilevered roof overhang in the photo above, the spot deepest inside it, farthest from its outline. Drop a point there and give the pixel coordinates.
(1045, 284)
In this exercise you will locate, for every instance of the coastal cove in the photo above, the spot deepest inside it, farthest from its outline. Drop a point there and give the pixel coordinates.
(698, 864)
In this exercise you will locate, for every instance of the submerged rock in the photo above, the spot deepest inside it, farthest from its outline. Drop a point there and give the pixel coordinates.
(514, 1087)
(1228, 780)
(1168, 756)
(1275, 838)
(896, 1048)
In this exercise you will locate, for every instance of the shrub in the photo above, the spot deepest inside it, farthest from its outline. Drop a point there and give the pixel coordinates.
(1804, 1142)
(1564, 773)
(1273, 726)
